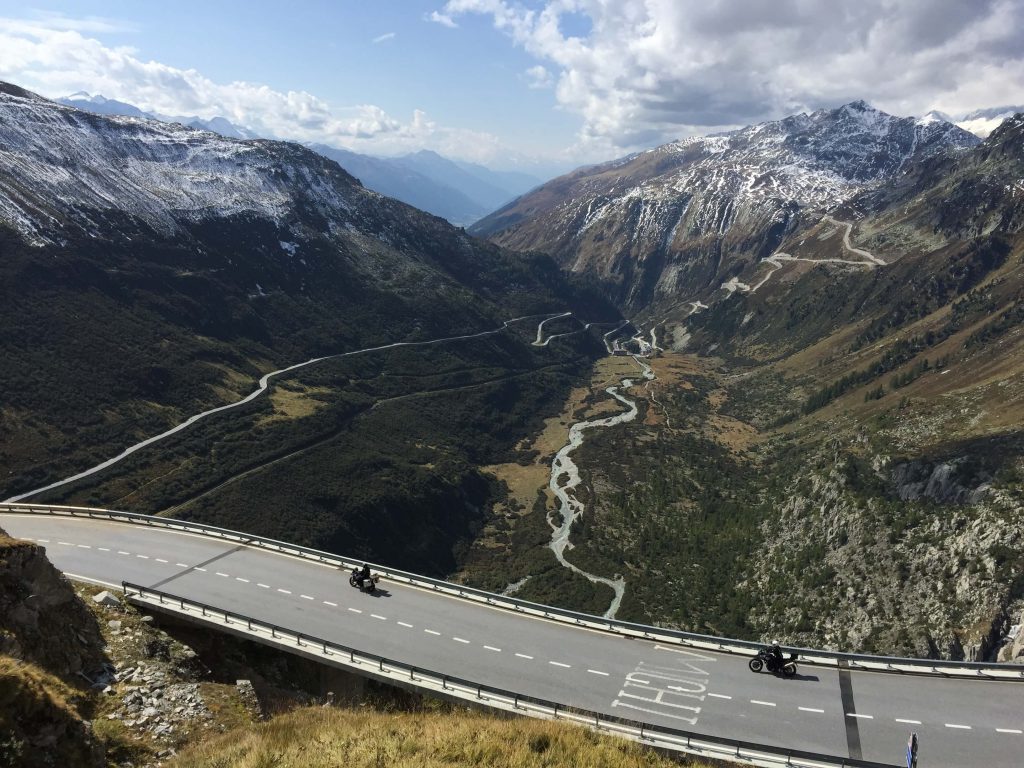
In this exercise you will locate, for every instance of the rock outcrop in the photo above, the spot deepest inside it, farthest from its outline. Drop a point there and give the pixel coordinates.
(41, 618)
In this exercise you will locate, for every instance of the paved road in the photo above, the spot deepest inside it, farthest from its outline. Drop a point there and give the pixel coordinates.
(959, 722)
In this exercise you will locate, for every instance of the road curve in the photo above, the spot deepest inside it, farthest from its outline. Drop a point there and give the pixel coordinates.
(263, 386)
(960, 722)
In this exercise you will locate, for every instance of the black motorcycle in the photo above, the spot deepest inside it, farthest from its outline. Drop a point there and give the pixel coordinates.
(363, 583)
(765, 659)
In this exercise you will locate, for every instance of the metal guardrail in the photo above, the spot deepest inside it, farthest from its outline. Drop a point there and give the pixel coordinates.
(459, 688)
(856, 661)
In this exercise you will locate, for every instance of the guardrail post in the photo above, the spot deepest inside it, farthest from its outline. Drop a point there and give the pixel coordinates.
(203, 609)
(298, 639)
(444, 683)
(273, 632)
(250, 625)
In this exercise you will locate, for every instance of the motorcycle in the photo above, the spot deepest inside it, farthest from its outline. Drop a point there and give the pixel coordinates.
(368, 584)
(766, 660)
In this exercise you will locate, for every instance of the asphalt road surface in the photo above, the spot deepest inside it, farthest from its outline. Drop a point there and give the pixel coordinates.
(869, 715)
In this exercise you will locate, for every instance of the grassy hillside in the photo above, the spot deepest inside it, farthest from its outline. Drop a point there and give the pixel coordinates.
(318, 738)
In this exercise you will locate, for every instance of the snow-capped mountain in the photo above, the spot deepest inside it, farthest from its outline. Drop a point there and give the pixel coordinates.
(101, 105)
(688, 214)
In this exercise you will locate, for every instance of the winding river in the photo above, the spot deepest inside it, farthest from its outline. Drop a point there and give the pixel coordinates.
(565, 477)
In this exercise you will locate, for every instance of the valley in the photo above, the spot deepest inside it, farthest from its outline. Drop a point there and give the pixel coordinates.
(805, 386)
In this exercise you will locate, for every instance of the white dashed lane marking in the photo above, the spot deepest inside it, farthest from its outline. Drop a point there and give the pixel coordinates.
(263, 586)
(908, 722)
(239, 578)
(960, 727)
(86, 546)
(597, 672)
(69, 544)
(123, 553)
(523, 656)
(307, 597)
(811, 709)
(460, 640)
(144, 557)
(763, 703)
(200, 569)
(377, 616)
(283, 591)
(492, 648)
(560, 664)
(1008, 730)
(355, 610)
(859, 716)
(181, 565)
(403, 624)
(47, 541)
(101, 549)
(160, 560)
(328, 602)
(222, 574)
(719, 696)
(431, 632)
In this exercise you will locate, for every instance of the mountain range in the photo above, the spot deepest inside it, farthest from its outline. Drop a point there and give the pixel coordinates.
(458, 191)
(829, 451)
(684, 217)
(151, 271)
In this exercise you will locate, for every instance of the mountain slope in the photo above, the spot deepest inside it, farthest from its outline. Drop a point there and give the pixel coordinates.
(395, 179)
(670, 222)
(151, 272)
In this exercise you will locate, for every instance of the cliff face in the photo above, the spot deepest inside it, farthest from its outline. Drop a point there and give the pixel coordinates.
(41, 618)
(49, 640)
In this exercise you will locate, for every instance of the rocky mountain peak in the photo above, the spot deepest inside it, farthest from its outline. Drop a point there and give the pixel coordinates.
(697, 206)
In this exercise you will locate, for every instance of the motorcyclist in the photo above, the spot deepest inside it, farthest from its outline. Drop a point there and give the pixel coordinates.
(775, 652)
(363, 574)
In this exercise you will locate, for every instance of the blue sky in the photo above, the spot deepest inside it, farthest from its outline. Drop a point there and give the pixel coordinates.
(541, 84)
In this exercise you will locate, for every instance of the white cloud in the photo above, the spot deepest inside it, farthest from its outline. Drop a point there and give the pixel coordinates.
(651, 70)
(52, 56)
(539, 77)
(382, 38)
(441, 18)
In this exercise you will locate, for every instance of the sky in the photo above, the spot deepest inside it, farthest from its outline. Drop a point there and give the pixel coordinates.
(540, 86)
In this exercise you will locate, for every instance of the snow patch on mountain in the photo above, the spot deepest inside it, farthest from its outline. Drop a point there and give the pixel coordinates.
(60, 163)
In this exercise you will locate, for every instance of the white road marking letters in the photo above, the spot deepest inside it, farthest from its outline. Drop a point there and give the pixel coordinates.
(667, 689)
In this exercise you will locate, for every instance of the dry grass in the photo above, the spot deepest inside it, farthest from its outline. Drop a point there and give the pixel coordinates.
(324, 737)
(293, 401)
